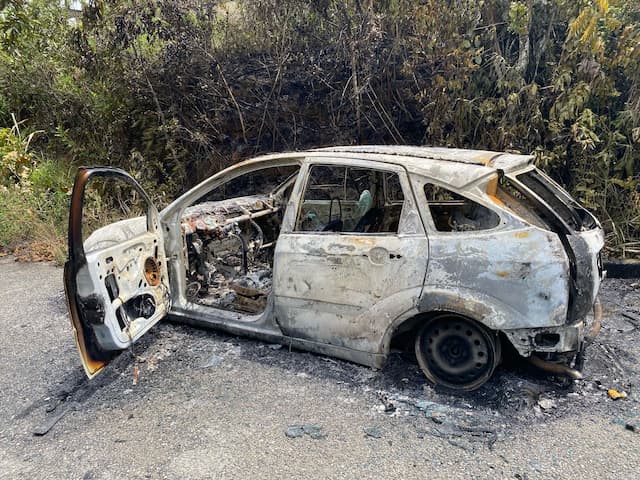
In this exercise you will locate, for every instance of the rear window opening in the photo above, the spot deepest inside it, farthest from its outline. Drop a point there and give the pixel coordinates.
(539, 201)
(560, 202)
(523, 206)
(451, 212)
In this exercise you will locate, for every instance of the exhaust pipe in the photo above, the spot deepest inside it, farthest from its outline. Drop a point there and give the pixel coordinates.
(597, 322)
(555, 368)
(574, 373)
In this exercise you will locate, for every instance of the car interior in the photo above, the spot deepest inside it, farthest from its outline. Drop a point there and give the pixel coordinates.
(231, 233)
(350, 200)
(452, 212)
(229, 237)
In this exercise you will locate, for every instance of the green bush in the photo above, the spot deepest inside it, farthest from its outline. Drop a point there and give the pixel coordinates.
(34, 199)
(174, 91)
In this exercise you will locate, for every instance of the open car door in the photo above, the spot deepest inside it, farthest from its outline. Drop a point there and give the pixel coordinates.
(116, 279)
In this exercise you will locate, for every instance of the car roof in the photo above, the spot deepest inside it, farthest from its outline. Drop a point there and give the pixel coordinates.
(454, 166)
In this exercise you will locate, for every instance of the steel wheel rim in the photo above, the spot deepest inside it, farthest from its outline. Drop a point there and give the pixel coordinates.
(456, 352)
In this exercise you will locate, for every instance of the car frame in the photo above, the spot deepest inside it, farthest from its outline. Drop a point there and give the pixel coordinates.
(525, 270)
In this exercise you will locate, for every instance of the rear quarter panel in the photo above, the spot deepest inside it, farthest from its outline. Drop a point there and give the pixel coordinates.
(510, 278)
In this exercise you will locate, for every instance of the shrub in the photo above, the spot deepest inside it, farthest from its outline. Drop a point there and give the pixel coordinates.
(174, 91)
(34, 199)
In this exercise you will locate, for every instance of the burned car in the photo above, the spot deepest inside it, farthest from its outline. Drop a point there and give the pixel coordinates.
(341, 251)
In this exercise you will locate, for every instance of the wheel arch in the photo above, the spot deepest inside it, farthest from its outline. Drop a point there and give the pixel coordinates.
(479, 308)
(411, 325)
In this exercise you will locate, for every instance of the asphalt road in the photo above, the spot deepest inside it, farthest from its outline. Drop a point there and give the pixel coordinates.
(207, 405)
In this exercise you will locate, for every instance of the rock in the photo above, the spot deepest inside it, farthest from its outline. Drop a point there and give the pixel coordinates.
(314, 431)
(546, 404)
(429, 408)
(294, 431)
(215, 360)
(373, 432)
(438, 417)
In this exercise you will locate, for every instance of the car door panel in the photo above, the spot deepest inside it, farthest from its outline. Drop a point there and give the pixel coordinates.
(329, 286)
(118, 274)
(116, 280)
(332, 286)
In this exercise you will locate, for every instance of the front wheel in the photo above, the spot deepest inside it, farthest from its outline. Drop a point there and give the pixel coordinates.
(456, 352)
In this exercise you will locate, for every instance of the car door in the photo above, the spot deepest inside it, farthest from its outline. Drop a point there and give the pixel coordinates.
(351, 256)
(115, 279)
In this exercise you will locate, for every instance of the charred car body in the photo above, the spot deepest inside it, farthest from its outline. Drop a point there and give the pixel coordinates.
(342, 250)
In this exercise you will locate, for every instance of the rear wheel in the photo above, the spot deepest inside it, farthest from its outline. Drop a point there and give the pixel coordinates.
(456, 352)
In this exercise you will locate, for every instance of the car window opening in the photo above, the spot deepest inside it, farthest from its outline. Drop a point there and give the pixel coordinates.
(350, 200)
(536, 199)
(229, 238)
(107, 201)
(571, 213)
(523, 206)
(451, 212)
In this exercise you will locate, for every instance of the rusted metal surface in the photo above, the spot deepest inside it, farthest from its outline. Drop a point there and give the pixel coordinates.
(455, 155)
(152, 271)
(209, 216)
(555, 368)
(596, 324)
(532, 276)
(560, 339)
(223, 246)
(109, 272)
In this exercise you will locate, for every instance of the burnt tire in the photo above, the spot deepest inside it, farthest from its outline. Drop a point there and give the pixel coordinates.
(456, 352)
